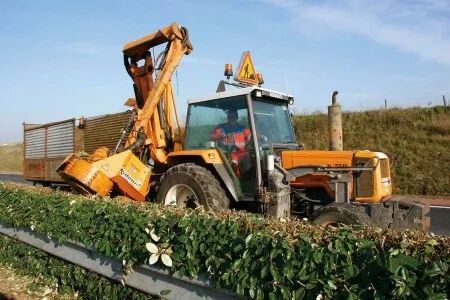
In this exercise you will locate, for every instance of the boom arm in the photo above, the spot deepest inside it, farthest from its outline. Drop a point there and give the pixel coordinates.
(152, 84)
(150, 130)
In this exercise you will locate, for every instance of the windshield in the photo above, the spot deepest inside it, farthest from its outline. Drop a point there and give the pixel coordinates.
(273, 122)
(204, 117)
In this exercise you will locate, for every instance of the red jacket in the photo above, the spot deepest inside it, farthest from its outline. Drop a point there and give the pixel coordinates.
(231, 135)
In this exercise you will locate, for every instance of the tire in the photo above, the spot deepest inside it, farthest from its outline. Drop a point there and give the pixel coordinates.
(340, 213)
(189, 185)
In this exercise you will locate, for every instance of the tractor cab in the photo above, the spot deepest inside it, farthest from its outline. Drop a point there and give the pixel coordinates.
(245, 125)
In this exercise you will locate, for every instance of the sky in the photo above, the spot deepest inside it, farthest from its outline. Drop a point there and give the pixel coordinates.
(63, 59)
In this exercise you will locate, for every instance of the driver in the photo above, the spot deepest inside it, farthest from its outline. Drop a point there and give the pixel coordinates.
(233, 137)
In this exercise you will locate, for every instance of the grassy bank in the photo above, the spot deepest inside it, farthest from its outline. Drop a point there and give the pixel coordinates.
(417, 140)
(11, 158)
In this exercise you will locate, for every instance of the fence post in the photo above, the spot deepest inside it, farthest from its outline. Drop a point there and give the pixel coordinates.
(385, 103)
(445, 100)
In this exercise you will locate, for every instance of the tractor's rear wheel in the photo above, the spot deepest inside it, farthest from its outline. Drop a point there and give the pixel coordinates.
(189, 185)
(334, 214)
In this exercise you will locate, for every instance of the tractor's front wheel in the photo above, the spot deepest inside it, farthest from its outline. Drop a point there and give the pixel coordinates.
(189, 185)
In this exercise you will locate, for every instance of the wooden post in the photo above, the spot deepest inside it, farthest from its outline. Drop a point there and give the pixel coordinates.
(445, 100)
(385, 103)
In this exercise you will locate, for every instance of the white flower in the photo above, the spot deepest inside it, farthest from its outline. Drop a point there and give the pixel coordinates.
(152, 248)
(166, 259)
(153, 258)
(72, 202)
(154, 236)
(32, 227)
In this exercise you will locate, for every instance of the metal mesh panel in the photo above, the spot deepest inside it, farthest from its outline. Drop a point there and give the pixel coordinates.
(60, 139)
(104, 131)
(35, 143)
(50, 140)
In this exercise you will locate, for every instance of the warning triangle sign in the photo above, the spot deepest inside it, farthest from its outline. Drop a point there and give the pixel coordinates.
(246, 72)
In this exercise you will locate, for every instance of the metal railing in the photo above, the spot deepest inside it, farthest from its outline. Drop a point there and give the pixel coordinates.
(147, 279)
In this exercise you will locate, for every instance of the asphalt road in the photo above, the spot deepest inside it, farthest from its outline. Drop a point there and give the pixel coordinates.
(440, 220)
(440, 215)
(13, 178)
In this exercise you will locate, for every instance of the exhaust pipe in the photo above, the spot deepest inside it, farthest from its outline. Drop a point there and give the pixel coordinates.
(335, 124)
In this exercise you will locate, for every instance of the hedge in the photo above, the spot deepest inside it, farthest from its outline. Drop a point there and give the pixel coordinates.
(256, 257)
(66, 277)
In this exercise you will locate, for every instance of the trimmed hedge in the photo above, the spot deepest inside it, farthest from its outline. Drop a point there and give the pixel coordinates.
(256, 257)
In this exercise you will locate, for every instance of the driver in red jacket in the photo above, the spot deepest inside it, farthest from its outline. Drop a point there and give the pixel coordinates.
(233, 137)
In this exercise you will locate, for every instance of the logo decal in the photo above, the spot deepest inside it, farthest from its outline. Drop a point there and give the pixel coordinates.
(130, 179)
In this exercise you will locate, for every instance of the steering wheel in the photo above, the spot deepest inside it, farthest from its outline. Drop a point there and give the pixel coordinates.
(225, 147)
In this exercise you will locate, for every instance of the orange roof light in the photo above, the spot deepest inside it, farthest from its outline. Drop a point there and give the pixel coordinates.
(228, 71)
(260, 78)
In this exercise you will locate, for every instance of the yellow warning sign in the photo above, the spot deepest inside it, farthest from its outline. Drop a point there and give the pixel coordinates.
(246, 71)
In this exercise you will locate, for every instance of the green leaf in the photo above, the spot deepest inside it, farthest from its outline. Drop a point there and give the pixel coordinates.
(274, 273)
(165, 292)
(248, 239)
(184, 239)
(408, 261)
(272, 296)
(264, 271)
(237, 264)
(260, 294)
(286, 293)
(299, 293)
(238, 248)
(251, 293)
(310, 285)
(331, 285)
(240, 289)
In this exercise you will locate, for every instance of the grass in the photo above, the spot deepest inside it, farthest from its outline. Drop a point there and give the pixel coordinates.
(11, 158)
(417, 140)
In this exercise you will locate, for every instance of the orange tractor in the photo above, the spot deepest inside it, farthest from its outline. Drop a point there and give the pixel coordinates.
(238, 150)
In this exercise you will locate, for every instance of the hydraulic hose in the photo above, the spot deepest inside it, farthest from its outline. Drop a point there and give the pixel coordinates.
(125, 132)
(140, 141)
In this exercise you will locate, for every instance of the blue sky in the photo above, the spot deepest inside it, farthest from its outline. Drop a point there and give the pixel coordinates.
(62, 59)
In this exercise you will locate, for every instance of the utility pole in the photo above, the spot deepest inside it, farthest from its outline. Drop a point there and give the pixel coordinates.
(445, 100)
(385, 103)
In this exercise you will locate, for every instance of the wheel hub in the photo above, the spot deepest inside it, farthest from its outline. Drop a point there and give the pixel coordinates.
(182, 196)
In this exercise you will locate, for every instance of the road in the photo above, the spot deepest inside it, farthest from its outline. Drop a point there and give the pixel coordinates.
(13, 178)
(440, 215)
(440, 221)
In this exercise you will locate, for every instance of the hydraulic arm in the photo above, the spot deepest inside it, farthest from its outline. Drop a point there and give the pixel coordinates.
(154, 97)
(150, 131)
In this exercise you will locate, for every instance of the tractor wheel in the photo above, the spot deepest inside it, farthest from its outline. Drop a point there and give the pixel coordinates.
(340, 213)
(188, 186)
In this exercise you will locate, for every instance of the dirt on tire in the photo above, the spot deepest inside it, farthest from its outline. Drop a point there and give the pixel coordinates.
(204, 184)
